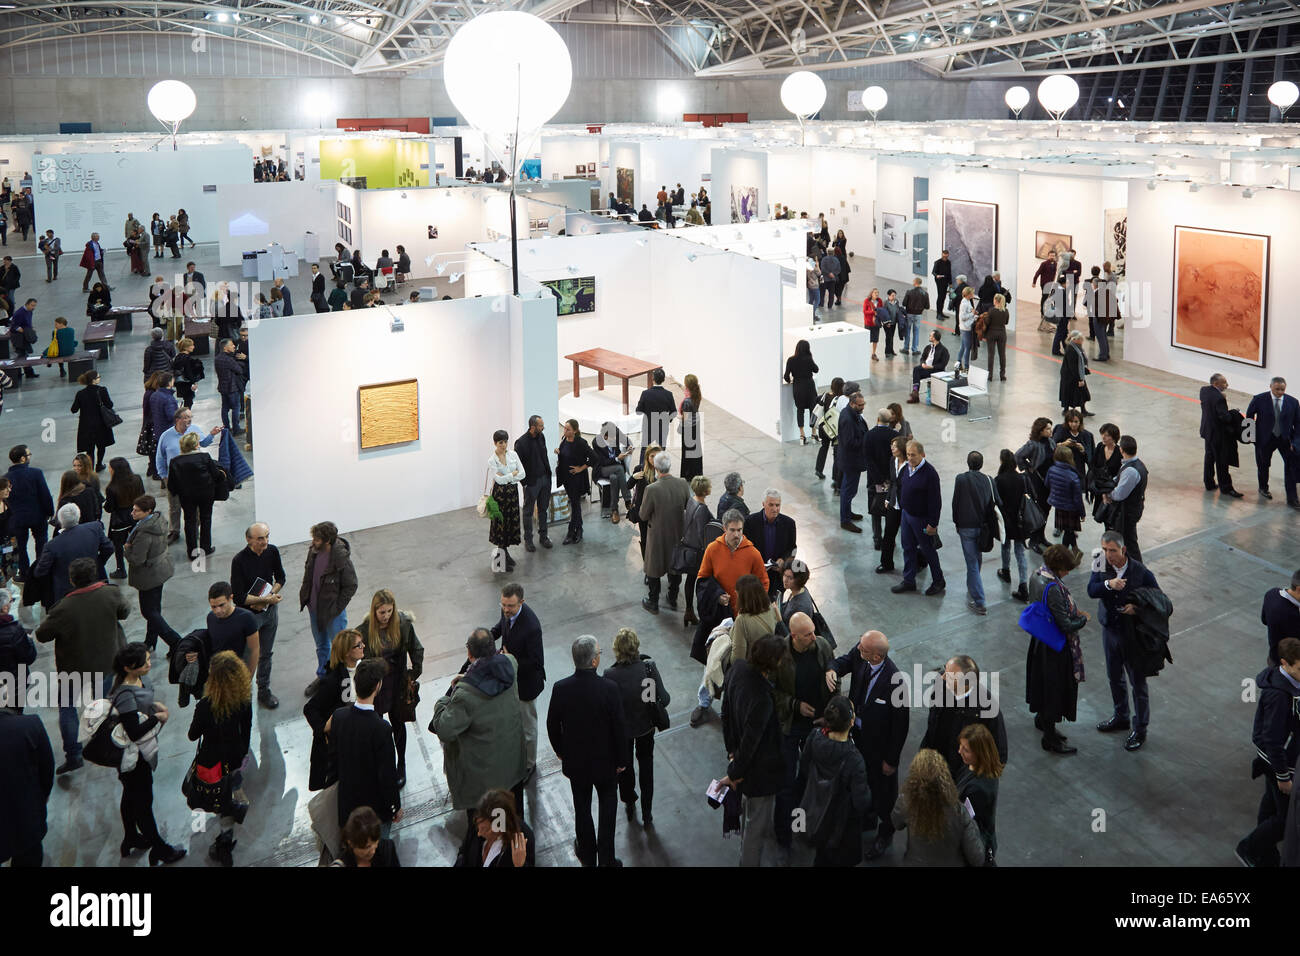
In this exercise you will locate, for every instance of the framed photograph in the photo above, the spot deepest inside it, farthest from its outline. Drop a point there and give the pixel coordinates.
(1220, 301)
(744, 203)
(893, 238)
(970, 234)
(1045, 242)
(389, 413)
(433, 232)
(575, 295)
(625, 183)
(581, 169)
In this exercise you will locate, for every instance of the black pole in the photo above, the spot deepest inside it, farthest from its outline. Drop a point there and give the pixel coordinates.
(514, 239)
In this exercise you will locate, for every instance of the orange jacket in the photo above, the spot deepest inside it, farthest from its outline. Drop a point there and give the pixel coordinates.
(727, 567)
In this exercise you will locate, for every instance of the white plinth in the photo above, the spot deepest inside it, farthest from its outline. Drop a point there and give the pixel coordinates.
(592, 408)
(838, 348)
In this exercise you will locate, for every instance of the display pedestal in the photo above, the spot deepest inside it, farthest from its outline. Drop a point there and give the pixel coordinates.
(311, 247)
(592, 408)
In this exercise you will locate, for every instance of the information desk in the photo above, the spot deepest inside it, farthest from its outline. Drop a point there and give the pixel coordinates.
(937, 388)
(841, 350)
(604, 362)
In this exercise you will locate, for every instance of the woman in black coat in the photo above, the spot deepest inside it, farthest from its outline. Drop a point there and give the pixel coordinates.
(635, 673)
(692, 457)
(1071, 432)
(799, 371)
(490, 844)
(1074, 391)
(572, 471)
(98, 302)
(363, 843)
(333, 690)
(74, 491)
(123, 488)
(1052, 677)
(193, 476)
(94, 435)
(223, 725)
(1034, 458)
(1011, 486)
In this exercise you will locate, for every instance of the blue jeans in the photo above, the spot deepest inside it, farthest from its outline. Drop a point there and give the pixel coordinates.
(815, 297)
(231, 403)
(1103, 343)
(963, 353)
(970, 549)
(70, 717)
(323, 637)
(703, 697)
(848, 489)
(914, 332)
(1021, 565)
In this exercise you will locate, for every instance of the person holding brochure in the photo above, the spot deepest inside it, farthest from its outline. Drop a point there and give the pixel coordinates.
(256, 578)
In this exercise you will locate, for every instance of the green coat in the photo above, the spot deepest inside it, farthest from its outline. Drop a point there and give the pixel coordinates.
(482, 731)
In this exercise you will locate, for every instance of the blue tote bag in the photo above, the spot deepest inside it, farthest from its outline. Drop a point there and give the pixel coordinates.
(1038, 621)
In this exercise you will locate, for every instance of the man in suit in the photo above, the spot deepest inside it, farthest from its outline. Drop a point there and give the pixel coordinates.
(1112, 582)
(30, 503)
(1277, 426)
(962, 700)
(1276, 736)
(193, 283)
(920, 501)
(287, 295)
(588, 732)
(76, 539)
(1281, 615)
(28, 760)
(880, 471)
(92, 260)
(520, 634)
(52, 247)
(881, 704)
(933, 359)
(657, 410)
(318, 289)
(663, 509)
(535, 456)
(774, 534)
(973, 498)
(852, 458)
(1131, 493)
(361, 746)
(942, 272)
(1217, 428)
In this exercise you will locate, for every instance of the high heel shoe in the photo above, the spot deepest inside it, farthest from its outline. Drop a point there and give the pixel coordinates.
(165, 854)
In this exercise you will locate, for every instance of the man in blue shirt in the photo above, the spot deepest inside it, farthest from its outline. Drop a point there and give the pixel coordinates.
(169, 446)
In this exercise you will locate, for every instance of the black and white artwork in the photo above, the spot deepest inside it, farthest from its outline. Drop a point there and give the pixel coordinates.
(970, 234)
(892, 236)
(1116, 239)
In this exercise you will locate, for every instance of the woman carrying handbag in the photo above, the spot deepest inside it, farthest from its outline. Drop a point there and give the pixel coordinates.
(223, 724)
(1053, 673)
(390, 635)
(505, 472)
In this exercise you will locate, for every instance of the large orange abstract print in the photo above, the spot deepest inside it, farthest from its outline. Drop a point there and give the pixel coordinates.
(1220, 303)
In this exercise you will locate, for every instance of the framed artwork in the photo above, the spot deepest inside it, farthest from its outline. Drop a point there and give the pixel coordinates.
(970, 234)
(574, 296)
(1045, 242)
(433, 232)
(389, 413)
(892, 236)
(624, 183)
(582, 169)
(744, 203)
(1116, 240)
(591, 167)
(1220, 301)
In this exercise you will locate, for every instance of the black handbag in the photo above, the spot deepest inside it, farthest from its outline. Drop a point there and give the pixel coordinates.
(1031, 518)
(658, 711)
(820, 627)
(110, 418)
(878, 501)
(408, 700)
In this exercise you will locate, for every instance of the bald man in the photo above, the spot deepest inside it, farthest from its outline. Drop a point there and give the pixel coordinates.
(880, 700)
(801, 696)
(256, 577)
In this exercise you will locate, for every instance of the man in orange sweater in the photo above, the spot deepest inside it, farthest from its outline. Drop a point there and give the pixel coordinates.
(730, 557)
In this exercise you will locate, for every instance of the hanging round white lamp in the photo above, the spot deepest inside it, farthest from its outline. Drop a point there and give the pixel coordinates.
(874, 99)
(1283, 95)
(171, 102)
(1057, 94)
(1017, 98)
(803, 93)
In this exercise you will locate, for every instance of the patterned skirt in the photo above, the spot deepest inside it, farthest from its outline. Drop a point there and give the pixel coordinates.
(1068, 521)
(505, 532)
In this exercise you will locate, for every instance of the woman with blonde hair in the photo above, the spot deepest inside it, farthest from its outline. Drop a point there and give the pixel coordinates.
(334, 690)
(645, 707)
(978, 782)
(223, 725)
(640, 481)
(390, 635)
(689, 428)
(939, 830)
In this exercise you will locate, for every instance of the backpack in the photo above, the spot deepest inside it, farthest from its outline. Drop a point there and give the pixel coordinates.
(829, 422)
(825, 804)
(99, 720)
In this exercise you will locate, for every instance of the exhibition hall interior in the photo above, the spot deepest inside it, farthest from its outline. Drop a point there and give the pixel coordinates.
(959, 336)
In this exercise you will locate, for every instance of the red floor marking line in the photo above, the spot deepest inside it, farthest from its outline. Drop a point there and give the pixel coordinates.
(1109, 375)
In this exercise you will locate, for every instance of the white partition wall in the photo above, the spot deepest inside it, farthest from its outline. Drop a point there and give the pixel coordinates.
(745, 172)
(564, 154)
(1152, 215)
(254, 214)
(443, 347)
(626, 156)
(667, 162)
(893, 194)
(1068, 205)
(392, 216)
(979, 185)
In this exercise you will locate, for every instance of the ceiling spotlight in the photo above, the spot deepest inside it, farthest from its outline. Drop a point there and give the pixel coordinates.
(910, 38)
(965, 31)
(222, 17)
(313, 19)
(236, 17)
(1194, 188)
(455, 277)
(1020, 18)
(691, 257)
(1247, 193)
(1151, 185)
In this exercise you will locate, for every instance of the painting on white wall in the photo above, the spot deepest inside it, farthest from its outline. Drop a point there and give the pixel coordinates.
(1220, 303)
(970, 234)
(892, 236)
(744, 203)
(1116, 243)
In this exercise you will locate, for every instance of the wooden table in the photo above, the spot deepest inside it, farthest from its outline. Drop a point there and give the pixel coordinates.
(605, 362)
(103, 331)
(122, 315)
(200, 331)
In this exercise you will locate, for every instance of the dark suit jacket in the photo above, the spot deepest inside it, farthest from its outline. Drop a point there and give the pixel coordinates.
(86, 540)
(879, 455)
(318, 285)
(853, 440)
(586, 726)
(471, 850)
(1282, 618)
(29, 776)
(1136, 574)
(657, 408)
(755, 531)
(1215, 417)
(523, 639)
(1261, 409)
(197, 279)
(940, 360)
(361, 745)
(944, 726)
(30, 501)
(880, 729)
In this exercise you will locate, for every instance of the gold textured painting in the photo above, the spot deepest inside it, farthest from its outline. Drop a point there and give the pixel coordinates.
(1220, 293)
(390, 413)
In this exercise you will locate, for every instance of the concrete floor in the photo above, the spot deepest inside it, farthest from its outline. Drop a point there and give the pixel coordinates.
(1185, 799)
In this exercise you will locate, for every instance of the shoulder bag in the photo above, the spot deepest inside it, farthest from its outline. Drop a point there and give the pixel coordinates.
(1031, 517)
(878, 500)
(658, 710)
(110, 418)
(53, 350)
(989, 529)
(829, 422)
(820, 627)
(1038, 622)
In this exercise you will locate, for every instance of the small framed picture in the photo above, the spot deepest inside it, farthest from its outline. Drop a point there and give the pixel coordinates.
(433, 232)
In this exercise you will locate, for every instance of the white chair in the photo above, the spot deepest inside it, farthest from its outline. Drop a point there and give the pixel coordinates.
(977, 385)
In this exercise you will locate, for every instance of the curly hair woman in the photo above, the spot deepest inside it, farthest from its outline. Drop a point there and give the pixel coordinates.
(939, 830)
(223, 724)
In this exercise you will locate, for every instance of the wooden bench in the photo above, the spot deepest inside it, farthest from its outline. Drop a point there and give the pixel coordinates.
(122, 315)
(77, 364)
(103, 331)
(201, 331)
(604, 362)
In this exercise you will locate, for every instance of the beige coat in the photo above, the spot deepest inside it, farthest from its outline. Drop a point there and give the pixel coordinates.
(663, 509)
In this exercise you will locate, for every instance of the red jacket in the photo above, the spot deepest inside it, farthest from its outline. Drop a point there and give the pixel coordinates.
(868, 314)
(88, 257)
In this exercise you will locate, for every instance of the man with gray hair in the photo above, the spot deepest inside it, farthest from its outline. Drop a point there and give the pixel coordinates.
(257, 577)
(588, 732)
(774, 534)
(1277, 428)
(733, 495)
(74, 539)
(663, 509)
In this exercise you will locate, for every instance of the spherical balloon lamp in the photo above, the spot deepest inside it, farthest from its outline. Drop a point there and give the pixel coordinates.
(1057, 94)
(171, 102)
(1283, 95)
(803, 94)
(1017, 98)
(874, 99)
(508, 73)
